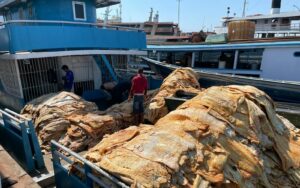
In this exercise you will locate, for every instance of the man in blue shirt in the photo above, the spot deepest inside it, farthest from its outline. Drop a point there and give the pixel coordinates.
(68, 78)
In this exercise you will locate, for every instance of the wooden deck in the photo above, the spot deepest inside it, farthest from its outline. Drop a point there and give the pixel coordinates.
(12, 174)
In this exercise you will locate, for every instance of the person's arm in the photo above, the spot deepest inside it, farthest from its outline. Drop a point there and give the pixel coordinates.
(68, 77)
(146, 88)
(131, 91)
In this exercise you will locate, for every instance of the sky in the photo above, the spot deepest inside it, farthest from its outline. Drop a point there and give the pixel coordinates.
(196, 15)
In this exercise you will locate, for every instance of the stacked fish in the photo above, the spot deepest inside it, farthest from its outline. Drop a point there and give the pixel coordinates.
(183, 79)
(224, 137)
(78, 125)
(87, 130)
(49, 114)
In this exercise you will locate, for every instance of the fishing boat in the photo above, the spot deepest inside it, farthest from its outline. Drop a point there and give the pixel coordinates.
(243, 49)
(283, 91)
(275, 24)
(38, 37)
(268, 59)
(242, 53)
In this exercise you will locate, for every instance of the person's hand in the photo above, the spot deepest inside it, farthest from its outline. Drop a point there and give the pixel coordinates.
(145, 97)
(129, 98)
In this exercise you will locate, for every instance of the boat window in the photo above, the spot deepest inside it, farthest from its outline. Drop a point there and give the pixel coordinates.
(152, 54)
(183, 59)
(250, 59)
(215, 59)
(79, 10)
(297, 54)
(285, 21)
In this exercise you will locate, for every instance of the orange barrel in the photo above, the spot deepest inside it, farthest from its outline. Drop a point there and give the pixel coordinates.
(241, 30)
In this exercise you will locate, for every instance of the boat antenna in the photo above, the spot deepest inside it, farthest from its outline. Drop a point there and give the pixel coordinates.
(106, 15)
(120, 12)
(179, 7)
(156, 17)
(228, 11)
(244, 8)
(151, 15)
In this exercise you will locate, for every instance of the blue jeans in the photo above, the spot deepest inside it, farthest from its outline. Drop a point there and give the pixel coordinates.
(138, 104)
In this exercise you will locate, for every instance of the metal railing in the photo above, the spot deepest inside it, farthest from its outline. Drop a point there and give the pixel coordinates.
(38, 77)
(92, 174)
(267, 27)
(42, 35)
(17, 136)
(100, 25)
(279, 27)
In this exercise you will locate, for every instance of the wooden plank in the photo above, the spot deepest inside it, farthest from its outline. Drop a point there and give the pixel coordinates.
(12, 173)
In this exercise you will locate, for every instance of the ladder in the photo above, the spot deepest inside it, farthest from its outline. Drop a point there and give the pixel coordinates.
(106, 68)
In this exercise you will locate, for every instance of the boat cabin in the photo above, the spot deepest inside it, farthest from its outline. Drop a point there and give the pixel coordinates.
(286, 24)
(37, 37)
(269, 60)
(40, 25)
(275, 24)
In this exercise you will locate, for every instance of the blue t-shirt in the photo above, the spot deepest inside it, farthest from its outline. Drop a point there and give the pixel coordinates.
(69, 80)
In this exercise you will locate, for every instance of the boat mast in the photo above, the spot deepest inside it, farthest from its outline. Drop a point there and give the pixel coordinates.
(106, 15)
(244, 8)
(179, 6)
(120, 12)
(151, 15)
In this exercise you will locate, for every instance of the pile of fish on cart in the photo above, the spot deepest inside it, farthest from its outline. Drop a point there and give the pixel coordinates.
(227, 136)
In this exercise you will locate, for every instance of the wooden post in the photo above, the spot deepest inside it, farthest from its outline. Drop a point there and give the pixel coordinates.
(236, 59)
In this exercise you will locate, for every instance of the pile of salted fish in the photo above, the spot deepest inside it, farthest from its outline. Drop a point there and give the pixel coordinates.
(49, 114)
(226, 136)
(78, 124)
(87, 129)
(182, 79)
(74, 122)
